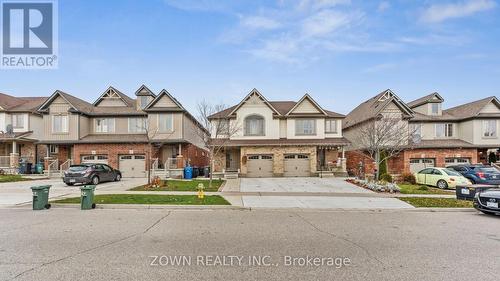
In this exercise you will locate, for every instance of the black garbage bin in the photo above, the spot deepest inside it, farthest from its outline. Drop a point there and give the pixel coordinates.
(28, 168)
(196, 172)
(201, 171)
(467, 192)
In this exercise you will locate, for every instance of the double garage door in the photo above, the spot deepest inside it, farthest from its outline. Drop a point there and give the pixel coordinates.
(131, 166)
(261, 166)
(417, 164)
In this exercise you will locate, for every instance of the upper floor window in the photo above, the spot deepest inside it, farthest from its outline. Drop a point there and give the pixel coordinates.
(166, 122)
(331, 126)
(305, 127)
(222, 127)
(489, 128)
(104, 125)
(434, 108)
(415, 129)
(137, 125)
(143, 101)
(254, 125)
(59, 123)
(18, 120)
(444, 130)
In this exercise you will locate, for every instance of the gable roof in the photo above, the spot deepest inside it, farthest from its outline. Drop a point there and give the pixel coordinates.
(425, 99)
(306, 96)
(282, 107)
(472, 109)
(373, 107)
(145, 88)
(255, 92)
(76, 104)
(158, 97)
(126, 99)
(20, 104)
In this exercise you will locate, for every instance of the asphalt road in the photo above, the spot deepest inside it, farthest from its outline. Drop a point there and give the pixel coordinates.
(107, 244)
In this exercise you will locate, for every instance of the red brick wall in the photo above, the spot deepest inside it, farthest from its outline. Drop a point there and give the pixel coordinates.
(401, 163)
(439, 154)
(195, 155)
(353, 160)
(113, 150)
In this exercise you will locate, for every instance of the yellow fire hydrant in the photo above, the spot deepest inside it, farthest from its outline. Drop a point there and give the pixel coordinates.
(201, 193)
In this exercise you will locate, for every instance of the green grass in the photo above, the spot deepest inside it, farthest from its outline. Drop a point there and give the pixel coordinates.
(421, 189)
(150, 199)
(181, 185)
(12, 178)
(436, 202)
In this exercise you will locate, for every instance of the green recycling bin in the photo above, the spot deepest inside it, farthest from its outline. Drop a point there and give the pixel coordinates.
(87, 199)
(41, 197)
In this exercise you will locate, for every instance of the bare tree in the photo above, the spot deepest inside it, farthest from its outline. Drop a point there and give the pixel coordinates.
(151, 132)
(216, 131)
(387, 134)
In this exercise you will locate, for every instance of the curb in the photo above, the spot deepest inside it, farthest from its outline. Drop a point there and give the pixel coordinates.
(146, 207)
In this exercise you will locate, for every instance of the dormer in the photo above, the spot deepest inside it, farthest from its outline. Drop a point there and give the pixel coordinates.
(429, 105)
(144, 97)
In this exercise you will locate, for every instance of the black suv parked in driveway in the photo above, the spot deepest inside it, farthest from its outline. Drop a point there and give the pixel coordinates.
(478, 174)
(91, 173)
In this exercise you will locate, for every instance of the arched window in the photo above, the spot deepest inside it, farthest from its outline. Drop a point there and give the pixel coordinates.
(254, 125)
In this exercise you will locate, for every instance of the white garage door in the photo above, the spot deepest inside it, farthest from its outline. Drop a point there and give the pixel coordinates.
(101, 159)
(417, 164)
(456, 161)
(260, 166)
(297, 165)
(132, 166)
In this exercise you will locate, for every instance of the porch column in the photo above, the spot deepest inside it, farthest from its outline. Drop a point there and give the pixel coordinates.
(180, 149)
(343, 160)
(180, 158)
(47, 157)
(14, 156)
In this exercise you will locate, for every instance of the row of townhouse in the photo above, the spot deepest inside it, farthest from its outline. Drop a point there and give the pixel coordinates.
(274, 139)
(126, 133)
(467, 133)
(301, 138)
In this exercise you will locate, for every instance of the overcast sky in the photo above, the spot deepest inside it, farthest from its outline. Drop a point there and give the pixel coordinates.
(341, 52)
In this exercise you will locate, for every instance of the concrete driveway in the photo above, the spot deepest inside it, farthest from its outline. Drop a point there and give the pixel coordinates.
(307, 185)
(15, 193)
(312, 193)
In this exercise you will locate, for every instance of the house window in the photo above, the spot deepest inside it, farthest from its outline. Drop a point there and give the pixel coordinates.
(18, 120)
(434, 108)
(222, 127)
(415, 129)
(104, 125)
(53, 149)
(137, 125)
(143, 100)
(489, 128)
(444, 130)
(305, 127)
(59, 123)
(166, 122)
(331, 126)
(254, 125)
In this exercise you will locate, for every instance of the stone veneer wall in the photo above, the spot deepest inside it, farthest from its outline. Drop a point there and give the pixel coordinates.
(278, 158)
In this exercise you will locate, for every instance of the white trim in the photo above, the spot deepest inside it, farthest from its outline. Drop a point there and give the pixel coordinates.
(63, 130)
(307, 96)
(254, 91)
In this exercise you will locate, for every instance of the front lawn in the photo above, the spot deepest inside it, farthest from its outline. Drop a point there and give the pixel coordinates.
(422, 189)
(422, 202)
(150, 199)
(181, 185)
(12, 178)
